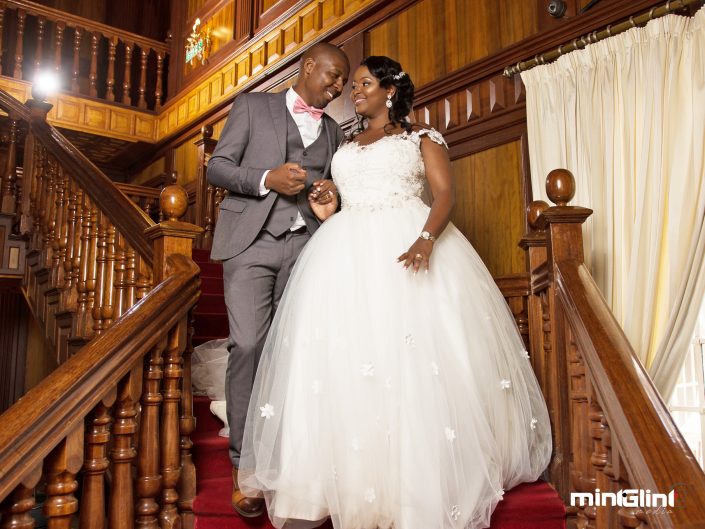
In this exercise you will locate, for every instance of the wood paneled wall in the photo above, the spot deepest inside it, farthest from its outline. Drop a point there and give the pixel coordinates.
(489, 206)
(435, 37)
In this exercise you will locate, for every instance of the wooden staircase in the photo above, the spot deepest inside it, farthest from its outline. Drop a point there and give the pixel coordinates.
(106, 438)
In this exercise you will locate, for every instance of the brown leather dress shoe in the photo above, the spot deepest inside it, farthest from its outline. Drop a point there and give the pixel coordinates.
(244, 506)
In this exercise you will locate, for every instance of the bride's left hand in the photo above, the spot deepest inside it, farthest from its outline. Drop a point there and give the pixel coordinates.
(418, 255)
(323, 198)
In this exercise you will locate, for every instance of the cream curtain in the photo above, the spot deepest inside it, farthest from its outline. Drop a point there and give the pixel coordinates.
(627, 116)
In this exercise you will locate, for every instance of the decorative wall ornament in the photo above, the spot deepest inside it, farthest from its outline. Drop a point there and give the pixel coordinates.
(198, 44)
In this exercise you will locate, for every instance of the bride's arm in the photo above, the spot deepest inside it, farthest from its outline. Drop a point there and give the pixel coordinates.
(440, 179)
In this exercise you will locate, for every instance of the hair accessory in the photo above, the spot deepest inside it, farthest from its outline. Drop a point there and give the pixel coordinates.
(398, 76)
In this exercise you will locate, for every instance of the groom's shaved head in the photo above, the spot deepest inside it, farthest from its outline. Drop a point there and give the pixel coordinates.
(323, 72)
(323, 49)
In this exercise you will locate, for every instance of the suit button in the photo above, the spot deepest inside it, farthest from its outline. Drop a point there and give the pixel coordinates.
(305, 153)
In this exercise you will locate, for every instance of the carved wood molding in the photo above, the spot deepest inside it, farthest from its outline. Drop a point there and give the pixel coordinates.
(91, 115)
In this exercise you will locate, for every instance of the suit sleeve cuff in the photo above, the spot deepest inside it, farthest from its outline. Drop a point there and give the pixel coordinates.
(262, 189)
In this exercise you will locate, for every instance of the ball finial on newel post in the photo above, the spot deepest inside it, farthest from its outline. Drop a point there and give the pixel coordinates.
(173, 201)
(560, 186)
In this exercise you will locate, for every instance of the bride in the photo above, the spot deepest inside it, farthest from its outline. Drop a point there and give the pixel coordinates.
(386, 398)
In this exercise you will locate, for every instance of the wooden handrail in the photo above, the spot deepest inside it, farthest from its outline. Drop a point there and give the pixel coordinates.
(611, 429)
(35, 424)
(653, 448)
(127, 217)
(85, 23)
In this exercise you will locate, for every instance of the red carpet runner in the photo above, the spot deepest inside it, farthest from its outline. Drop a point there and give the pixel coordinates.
(528, 506)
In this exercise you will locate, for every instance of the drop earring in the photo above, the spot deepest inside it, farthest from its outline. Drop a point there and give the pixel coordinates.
(389, 101)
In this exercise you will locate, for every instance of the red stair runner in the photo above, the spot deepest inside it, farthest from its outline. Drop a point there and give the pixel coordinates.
(527, 506)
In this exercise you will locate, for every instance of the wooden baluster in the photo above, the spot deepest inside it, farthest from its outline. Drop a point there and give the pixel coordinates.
(8, 181)
(187, 425)
(144, 285)
(149, 481)
(209, 217)
(170, 438)
(110, 82)
(122, 505)
(96, 463)
(86, 281)
(2, 27)
(58, 43)
(41, 200)
(60, 469)
(19, 192)
(126, 98)
(158, 87)
(141, 101)
(101, 254)
(93, 75)
(19, 53)
(41, 21)
(60, 230)
(73, 264)
(17, 506)
(75, 79)
(130, 277)
(108, 307)
(120, 277)
(49, 218)
(92, 270)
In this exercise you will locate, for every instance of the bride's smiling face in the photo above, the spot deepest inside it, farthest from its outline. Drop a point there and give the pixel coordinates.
(367, 95)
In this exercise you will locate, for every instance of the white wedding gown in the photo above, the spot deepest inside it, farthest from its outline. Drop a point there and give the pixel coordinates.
(385, 399)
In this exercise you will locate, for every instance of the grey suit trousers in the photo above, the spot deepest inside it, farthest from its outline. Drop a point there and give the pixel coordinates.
(254, 282)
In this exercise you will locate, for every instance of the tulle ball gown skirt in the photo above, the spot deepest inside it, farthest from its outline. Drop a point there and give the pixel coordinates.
(391, 400)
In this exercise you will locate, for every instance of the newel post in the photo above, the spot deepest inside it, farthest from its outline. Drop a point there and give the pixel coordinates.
(205, 191)
(177, 471)
(39, 110)
(561, 226)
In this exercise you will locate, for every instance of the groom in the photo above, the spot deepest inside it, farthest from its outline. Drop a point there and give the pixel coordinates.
(273, 151)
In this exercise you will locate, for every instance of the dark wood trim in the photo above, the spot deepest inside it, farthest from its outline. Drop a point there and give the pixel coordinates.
(372, 14)
(495, 130)
(538, 43)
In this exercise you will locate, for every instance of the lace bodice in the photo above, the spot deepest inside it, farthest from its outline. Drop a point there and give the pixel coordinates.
(386, 173)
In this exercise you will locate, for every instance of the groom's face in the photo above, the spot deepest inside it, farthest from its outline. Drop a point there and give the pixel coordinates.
(324, 78)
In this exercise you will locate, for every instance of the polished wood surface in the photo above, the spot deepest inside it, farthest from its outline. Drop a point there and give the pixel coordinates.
(121, 396)
(611, 429)
(489, 205)
(470, 30)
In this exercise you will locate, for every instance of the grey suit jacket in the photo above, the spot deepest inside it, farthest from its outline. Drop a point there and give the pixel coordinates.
(253, 141)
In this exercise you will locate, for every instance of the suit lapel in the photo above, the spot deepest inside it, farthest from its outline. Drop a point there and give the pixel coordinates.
(330, 136)
(277, 108)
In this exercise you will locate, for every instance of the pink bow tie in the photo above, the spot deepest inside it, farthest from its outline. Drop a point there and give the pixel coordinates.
(301, 107)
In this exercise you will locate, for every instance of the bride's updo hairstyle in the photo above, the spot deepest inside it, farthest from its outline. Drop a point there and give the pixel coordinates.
(389, 73)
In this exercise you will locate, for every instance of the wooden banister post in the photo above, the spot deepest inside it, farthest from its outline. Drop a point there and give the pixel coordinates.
(178, 473)
(204, 199)
(562, 225)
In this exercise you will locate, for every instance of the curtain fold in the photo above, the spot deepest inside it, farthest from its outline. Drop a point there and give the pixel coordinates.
(626, 115)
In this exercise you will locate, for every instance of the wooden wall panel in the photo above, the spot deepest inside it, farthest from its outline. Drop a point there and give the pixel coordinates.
(154, 169)
(435, 37)
(193, 6)
(186, 161)
(489, 208)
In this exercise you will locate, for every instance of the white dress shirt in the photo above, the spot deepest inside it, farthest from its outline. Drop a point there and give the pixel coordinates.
(310, 129)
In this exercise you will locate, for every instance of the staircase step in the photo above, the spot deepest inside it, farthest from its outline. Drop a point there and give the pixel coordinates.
(210, 303)
(526, 506)
(212, 285)
(211, 324)
(211, 269)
